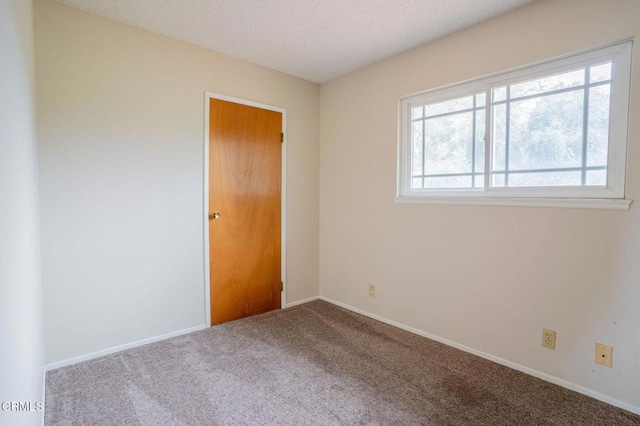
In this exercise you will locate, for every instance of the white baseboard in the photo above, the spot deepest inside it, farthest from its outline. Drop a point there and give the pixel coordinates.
(535, 373)
(498, 360)
(108, 351)
(114, 349)
(301, 302)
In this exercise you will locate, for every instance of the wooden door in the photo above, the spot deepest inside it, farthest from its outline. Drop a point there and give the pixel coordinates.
(245, 176)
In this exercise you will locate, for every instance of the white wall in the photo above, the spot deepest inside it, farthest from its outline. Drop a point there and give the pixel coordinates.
(21, 343)
(120, 134)
(486, 277)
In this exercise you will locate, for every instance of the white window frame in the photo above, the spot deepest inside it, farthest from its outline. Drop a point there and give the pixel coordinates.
(611, 196)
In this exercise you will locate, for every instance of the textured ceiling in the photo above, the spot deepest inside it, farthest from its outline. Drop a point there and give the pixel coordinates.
(317, 40)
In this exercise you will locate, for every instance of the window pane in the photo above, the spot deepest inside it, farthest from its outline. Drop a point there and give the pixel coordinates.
(600, 73)
(547, 84)
(546, 132)
(499, 136)
(449, 106)
(448, 182)
(499, 94)
(597, 177)
(497, 180)
(480, 99)
(448, 143)
(598, 136)
(417, 112)
(545, 179)
(416, 183)
(416, 154)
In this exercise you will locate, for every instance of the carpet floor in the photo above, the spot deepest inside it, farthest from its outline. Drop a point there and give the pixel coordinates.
(314, 364)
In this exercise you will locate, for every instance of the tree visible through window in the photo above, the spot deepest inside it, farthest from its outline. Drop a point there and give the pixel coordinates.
(545, 126)
(448, 143)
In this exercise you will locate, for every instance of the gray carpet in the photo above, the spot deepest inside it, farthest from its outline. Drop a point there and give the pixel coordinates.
(315, 364)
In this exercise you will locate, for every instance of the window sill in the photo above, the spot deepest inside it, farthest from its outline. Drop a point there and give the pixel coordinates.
(572, 203)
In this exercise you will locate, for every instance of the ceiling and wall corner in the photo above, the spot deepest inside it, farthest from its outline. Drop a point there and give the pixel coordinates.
(314, 40)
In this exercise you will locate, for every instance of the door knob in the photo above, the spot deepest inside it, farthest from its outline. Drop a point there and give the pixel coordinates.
(214, 215)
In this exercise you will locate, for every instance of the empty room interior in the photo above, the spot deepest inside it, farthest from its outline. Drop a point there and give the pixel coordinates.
(303, 212)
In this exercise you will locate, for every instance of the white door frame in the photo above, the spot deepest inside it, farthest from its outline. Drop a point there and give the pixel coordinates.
(283, 239)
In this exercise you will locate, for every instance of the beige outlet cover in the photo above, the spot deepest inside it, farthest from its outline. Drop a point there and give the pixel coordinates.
(604, 355)
(548, 338)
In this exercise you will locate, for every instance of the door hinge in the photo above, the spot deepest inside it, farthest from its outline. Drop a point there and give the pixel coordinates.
(281, 137)
(281, 286)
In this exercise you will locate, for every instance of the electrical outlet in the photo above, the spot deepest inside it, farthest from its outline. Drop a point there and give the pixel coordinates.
(604, 354)
(372, 290)
(548, 338)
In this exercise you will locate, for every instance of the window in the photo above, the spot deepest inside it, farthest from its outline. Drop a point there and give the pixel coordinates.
(553, 133)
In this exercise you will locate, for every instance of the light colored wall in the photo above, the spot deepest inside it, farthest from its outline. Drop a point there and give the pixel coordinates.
(21, 342)
(120, 133)
(486, 277)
